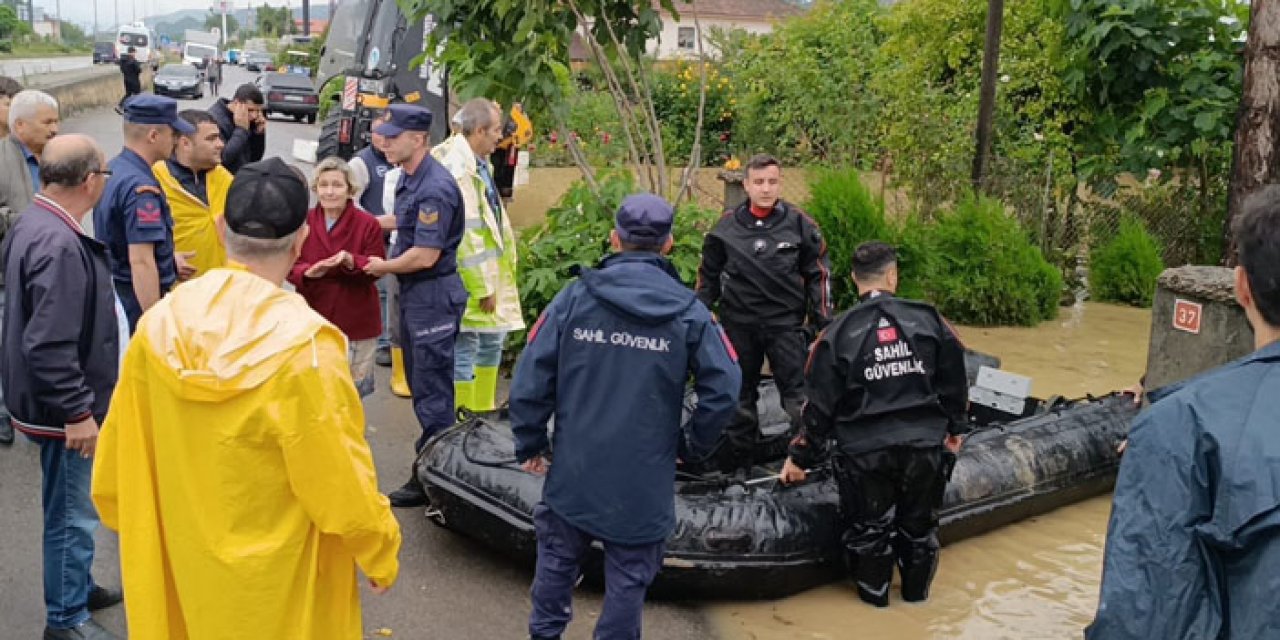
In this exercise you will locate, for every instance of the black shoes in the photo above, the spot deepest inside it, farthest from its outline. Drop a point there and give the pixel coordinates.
(383, 357)
(90, 630)
(102, 597)
(6, 430)
(410, 495)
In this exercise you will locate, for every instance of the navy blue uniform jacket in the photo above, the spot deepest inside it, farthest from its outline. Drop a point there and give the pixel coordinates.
(609, 358)
(1192, 549)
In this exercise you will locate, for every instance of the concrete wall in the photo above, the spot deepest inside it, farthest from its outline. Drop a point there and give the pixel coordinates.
(1175, 354)
(85, 89)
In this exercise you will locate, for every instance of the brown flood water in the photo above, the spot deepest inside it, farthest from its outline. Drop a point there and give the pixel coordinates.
(1034, 579)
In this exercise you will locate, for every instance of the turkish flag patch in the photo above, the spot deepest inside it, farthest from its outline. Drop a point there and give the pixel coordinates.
(148, 212)
(887, 335)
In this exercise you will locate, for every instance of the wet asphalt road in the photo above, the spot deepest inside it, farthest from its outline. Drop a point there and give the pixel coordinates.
(449, 586)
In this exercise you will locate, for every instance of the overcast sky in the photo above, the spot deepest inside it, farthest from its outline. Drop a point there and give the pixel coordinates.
(81, 11)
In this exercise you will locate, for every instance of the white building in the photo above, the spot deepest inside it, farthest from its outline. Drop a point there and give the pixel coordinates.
(679, 38)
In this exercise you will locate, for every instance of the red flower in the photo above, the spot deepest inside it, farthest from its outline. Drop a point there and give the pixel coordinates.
(606, 138)
(554, 138)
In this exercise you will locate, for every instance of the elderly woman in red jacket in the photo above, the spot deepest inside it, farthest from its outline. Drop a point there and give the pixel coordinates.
(330, 272)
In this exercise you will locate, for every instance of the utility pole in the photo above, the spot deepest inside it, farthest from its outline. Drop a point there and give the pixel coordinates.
(987, 99)
(306, 17)
(224, 25)
(93, 37)
(1255, 161)
(57, 12)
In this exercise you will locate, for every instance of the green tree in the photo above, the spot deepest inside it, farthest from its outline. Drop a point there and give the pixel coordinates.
(519, 51)
(10, 25)
(214, 21)
(73, 35)
(804, 89)
(1159, 86)
(274, 22)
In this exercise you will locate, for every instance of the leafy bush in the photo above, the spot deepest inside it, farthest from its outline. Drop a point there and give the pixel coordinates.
(676, 93)
(848, 216)
(984, 271)
(913, 238)
(1125, 268)
(575, 235)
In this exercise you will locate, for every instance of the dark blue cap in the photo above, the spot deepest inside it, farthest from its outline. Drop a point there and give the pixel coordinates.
(145, 108)
(405, 117)
(644, 220)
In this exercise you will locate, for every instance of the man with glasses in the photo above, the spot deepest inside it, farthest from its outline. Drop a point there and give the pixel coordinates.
(57, 374)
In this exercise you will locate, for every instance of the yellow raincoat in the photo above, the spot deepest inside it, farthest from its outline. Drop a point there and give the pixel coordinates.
(195, 224)
(234, 465)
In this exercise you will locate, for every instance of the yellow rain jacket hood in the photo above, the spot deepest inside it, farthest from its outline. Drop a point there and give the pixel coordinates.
(234, 466)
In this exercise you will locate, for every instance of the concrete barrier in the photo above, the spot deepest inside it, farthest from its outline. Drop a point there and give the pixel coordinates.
(84, 89)
(1196, 324)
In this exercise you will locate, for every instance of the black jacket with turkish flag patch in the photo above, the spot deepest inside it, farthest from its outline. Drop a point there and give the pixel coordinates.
(888, 372)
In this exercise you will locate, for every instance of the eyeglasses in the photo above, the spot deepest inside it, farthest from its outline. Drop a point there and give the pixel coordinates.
(106, 173)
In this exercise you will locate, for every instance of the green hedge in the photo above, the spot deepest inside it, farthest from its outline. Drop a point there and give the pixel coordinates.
(848, 216)
(974, 262)
(1125, 268)
(983, 270)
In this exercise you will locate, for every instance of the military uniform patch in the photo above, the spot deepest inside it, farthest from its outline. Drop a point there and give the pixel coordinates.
(428, 218)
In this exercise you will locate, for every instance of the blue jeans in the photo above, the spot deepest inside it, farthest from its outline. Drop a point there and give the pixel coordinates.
(628, 570)
(476, 349)
(69, 523)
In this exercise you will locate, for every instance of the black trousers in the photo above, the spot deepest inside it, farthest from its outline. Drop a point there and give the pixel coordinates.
(786, 350)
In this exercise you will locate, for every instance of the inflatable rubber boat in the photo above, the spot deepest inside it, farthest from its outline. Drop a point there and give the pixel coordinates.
(750, 537)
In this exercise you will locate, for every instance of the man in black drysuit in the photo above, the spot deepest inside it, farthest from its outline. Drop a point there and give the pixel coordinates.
(886, 379)
(764, 268)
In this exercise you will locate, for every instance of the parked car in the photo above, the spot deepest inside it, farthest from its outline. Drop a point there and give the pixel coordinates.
(258, 61)
(104, 53)
(178, 80)
(289, 94)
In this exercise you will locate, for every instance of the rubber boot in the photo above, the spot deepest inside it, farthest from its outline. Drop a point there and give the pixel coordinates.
(486, 390)
(917, 562)
(873, 573)
(464, 393)
(399, 385)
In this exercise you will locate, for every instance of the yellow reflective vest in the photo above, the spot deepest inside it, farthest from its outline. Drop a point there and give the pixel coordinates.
(487, 253)
(195, 224)
(234, 466)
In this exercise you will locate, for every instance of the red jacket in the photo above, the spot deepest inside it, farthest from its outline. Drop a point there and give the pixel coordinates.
(346, 297)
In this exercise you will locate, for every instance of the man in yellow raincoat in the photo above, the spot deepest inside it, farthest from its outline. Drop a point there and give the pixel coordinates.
(233, 461)
(486, 255)
(196, 187)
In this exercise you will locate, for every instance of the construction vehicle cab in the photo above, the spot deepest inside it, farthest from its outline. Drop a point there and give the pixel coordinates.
(370, 46)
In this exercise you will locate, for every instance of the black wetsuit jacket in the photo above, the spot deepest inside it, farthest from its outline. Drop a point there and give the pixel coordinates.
(765, 273)
(888, 372)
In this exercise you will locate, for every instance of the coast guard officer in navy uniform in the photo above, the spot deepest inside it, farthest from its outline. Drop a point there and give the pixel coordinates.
(133, 219)
(429, 224)
(609, 360)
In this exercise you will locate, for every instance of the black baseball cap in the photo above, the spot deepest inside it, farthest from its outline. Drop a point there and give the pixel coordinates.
(267, 200)
(644, 220)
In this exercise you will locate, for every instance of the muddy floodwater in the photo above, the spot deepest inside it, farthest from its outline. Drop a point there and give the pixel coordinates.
(1034, 579)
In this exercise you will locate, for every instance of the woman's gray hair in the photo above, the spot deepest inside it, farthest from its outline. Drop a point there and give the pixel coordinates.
(334, 163)
(250, 249)
(476, 114)
(26, 105)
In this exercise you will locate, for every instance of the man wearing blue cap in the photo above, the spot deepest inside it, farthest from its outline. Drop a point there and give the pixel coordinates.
(133, 218)
(609, 359)
(429, 225)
